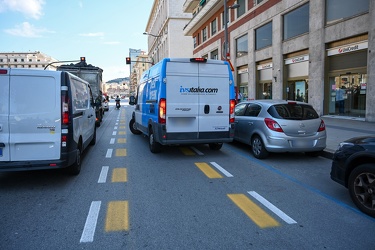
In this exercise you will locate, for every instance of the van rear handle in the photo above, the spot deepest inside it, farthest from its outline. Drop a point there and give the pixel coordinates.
(2, 145)
(206, 109)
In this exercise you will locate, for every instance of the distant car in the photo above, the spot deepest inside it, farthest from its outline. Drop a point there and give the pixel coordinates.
(279, 126)
(353, 166)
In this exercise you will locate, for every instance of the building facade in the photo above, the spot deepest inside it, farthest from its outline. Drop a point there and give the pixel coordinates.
(27, 60)
(320, 52)
(165, 31)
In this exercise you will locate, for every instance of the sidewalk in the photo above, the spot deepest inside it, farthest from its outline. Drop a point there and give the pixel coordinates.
(340, 128)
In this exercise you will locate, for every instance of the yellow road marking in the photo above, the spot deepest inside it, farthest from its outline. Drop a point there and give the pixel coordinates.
(117, 218)
(122, 127)
(122, 122)
(122, 132)
(253, 211)
(121, 140)
(187, 151)
(207, 170)
(119, 175)
(121, 152)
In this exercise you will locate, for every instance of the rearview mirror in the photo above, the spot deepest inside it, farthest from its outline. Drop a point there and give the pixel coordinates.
(132, 100)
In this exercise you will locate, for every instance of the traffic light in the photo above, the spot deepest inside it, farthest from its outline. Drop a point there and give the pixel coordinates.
(83, 59)
(128, 60)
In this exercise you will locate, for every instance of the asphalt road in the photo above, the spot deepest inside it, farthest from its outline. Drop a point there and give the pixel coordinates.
(187, 197)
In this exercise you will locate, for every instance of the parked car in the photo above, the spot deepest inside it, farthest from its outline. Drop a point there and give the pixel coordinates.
(279, 126)
(353, 166)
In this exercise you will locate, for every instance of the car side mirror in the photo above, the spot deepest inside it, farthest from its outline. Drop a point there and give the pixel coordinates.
(132, 100)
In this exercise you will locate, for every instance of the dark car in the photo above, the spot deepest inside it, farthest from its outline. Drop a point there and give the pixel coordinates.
(353, 166)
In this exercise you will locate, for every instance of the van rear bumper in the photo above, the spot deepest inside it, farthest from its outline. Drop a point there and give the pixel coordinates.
(66, 160)
(196, 138)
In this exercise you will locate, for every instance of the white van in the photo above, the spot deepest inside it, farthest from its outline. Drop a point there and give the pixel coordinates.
(47, 119)
(185, 101)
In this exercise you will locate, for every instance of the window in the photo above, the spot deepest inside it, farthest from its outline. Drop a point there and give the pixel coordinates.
(213, 27)
(296, 22)
(1, 60)
(257, 2)
(242, 9)
(22, 60)
(15, 60)
(263, 36)
(204, 34)
(241, 46)
(195, 41)
(215, 55)
(336, 10)
(30, 60)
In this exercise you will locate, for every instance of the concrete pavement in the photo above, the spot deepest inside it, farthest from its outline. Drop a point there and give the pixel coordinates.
(341, 128)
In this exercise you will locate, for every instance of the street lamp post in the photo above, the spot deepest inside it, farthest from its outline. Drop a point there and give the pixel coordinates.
(226, 45)
(157, 44)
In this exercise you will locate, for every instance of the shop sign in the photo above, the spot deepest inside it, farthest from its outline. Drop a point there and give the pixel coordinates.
(265, 66)
(296, 59)
(347, 48)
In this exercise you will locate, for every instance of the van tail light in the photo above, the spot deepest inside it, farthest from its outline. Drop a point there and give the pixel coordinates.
(64, 140)
(65, 109)
(273, 125)
(322, 126)
(232, 104)
(3, 71)
(162, 110)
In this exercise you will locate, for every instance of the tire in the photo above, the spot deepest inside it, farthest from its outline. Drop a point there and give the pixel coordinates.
(75, 169)
(132, 127)
(93, 141)
(361, 187)
(155, 147)
(215, 146)
(257, 147)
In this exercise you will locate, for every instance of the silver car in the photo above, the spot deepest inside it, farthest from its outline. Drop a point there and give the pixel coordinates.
(279, 126)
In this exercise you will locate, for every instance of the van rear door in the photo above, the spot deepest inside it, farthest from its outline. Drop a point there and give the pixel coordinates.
(182, 98)
(4, 115)
(213, 110)
(35, 115)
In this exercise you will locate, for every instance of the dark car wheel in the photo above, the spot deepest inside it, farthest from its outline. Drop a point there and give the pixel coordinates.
(75, 169)
(215, 146)
(362, 188)
(133, 128)
(155, 147)
(257, 146)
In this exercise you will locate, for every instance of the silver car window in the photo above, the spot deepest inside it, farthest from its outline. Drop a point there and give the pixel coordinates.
(293, 111)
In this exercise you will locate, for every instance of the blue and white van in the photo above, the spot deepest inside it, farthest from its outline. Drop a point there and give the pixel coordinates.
(185, 101)
(47, 119)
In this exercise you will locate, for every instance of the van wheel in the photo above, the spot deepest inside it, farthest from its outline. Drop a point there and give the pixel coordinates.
(93, 141)
(215, 146)
(155, 147)
(257, 146)
(133, 128)
(75, 169)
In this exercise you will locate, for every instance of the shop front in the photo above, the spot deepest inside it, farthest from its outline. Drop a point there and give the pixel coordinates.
(297, 68)
(264, 81)
(347, 80)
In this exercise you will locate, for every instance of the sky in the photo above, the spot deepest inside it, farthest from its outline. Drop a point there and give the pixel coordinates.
(101, 31)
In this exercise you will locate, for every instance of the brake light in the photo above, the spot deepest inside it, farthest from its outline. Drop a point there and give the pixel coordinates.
(64, 140)
(3, 71)
(232, 104)
(162, 110)
(198, 60)
(273, 125)
(65, 109)
(322, 126)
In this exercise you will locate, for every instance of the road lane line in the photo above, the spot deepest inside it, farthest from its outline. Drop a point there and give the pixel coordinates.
(197, 151)
(119, 175)
(253, 211)
(115, 127)
(272, 207)
(208, 171)
(103, 174)
(121, 140)
(109, 153)
(117, 218)
(114, 132)
(112, 141)
(225, 172)
(91, 220)
(121, 152)
(186, 151)
(122, 132)
(122, 127)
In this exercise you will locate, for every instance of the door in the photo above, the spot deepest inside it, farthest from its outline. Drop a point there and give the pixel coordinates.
(4, 116)
(35, 117)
